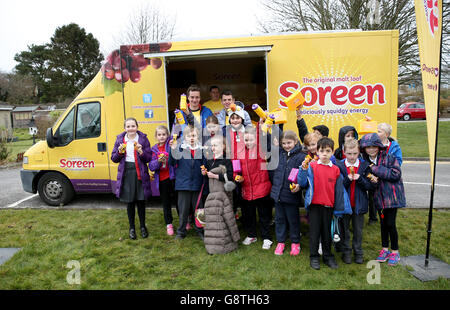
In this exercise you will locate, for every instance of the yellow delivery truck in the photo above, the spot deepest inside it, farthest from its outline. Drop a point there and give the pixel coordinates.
(343, 76)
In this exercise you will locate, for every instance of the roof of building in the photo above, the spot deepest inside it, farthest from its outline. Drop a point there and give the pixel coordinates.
(26, 108)
(6, 107)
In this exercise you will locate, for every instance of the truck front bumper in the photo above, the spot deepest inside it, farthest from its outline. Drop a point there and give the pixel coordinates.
(27, 177)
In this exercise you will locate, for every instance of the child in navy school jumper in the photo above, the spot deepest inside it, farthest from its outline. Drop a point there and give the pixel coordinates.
(188, 158)
(354, 171)
(324, 195)
(389, 194)
(287, 201)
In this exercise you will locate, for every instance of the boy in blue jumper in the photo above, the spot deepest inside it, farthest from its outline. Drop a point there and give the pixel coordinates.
(354, 170)
(324, 195)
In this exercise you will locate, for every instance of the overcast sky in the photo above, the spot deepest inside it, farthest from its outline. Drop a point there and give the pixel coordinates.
(27, 22)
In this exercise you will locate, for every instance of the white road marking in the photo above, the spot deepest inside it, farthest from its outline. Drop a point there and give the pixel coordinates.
(418, 183)
(15, 204)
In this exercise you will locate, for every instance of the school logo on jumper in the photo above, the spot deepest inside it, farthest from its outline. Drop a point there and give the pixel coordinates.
(432, 14)
(76, 164)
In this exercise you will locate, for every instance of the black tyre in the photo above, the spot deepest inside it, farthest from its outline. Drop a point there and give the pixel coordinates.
(406, 117)
(55, 189)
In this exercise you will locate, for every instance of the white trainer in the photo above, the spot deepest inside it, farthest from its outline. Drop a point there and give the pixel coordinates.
(267, 244)
(248, 241)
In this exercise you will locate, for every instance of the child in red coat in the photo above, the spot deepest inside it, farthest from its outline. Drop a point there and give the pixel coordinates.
(256, 186)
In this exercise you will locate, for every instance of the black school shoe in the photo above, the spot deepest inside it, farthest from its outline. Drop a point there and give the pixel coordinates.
(144, 232)
(347, 257)
(132, 234)
(314, 263)
(359, 259)
(331, 262)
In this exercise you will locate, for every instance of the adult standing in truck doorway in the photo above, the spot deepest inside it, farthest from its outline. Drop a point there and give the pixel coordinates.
(195, 114)
(132, 151)
(227, 100)
(214, 104)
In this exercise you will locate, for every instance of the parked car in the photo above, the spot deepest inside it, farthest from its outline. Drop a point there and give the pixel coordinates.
(411, 110)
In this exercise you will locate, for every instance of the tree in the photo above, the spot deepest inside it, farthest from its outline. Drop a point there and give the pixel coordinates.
(34, 63)
(75, 59)
(148, 24)
(312, 15)
(63, 67)
(16, 88)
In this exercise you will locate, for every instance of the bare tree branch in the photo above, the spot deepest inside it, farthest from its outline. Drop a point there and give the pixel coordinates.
(148, 23)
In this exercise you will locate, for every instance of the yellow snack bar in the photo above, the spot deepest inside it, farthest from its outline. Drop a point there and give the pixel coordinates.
(179, 116)
(122, 148)
(279, 116)
(259, 111)
(267, 122)
(365, 126)
(295, 101)
(183, 102)
(306, 162)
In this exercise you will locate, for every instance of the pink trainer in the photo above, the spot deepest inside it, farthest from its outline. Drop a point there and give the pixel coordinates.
(280, 249)
(170, 229)
(295, 249)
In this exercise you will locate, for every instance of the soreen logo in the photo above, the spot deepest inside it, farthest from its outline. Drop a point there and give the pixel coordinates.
(337, 95)
(76, 164)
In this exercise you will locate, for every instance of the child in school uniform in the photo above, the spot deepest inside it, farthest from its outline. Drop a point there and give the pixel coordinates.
(256, 186)
(389, 194)
(354, 170)
(132, 151)
(164, 176)
(287, 200)
(346, 133)
(324, 195)
(188, 158)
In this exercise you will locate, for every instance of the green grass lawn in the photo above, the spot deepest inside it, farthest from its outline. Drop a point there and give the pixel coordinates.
(98, 239)
(413, 139)
(18, 147)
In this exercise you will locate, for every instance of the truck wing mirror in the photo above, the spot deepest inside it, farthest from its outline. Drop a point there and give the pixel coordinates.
(51, 140)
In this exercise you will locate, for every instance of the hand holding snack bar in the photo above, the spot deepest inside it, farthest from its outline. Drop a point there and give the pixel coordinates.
(239, 178)
(122, 148)
(204, 170)
(306, 162)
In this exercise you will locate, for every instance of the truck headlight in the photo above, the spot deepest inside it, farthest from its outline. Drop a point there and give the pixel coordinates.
(25, 160)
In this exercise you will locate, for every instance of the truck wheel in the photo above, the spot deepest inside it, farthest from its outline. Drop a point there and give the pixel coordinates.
(406, 117)
(55, 189)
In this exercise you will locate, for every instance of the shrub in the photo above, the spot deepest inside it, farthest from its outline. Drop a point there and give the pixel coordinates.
(4, 151)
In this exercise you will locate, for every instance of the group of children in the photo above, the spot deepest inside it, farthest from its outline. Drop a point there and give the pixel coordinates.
(216, 169)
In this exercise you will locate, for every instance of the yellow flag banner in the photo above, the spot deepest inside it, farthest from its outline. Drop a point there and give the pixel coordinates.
(429, 32)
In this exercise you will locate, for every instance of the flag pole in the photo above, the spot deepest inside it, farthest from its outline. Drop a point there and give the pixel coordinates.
(430, 213)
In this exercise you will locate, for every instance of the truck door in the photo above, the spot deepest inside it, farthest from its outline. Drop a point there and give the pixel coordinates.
(80, 152)
(146, 99)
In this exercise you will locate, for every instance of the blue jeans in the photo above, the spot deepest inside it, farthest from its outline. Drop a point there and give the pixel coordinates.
(287, 217)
